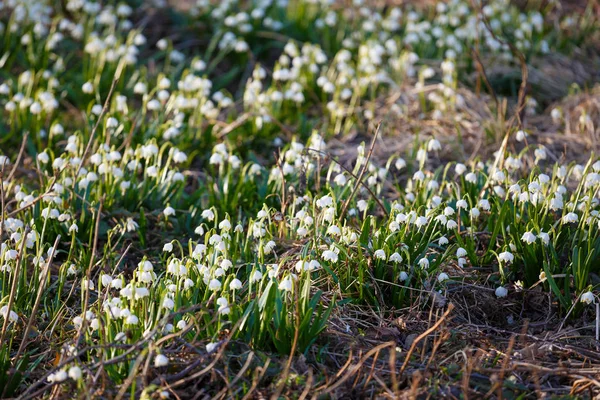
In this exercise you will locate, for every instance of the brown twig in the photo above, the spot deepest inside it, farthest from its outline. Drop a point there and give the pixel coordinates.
(18, 160)
(361, 175)
(364, 185)
(424, 335)
(97, 124)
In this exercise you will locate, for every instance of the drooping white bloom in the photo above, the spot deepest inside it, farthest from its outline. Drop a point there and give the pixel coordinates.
(12, 316)
(528, 237)
(58, 376)
(506, 257)
(161, 361)
(570, 218)
(256, 276)
(340, 180)
(325, 201)
(396, 258)
(587, 297)
(235, 284)
(501, 291)
(214, 285)
(460, 169)
(434, 145)
(521, 135)
(208, 215)
(471, 177)
(286, 284)
(443, 277)
(75, 373)
(462, 204)
(211, 347)
(131, 225)
(380, 254)
(329, 255)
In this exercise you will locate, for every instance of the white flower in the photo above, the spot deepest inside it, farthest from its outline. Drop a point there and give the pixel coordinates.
(313, 265)
(418, 176)
(75, 373)
(168, 303)
(501, 291)
(462, 204)
(380, 254)
(161, 361)
(403, 276)
(434, 145)
(362, 205)
(235, 284)
(43, 157)
(443, 241)
(325, 201)
(443, 277)
(570, 218)
(471, 177)
(421, 222)
(256, 276)
(261, 214)
(12, 317)
(506, 257)
(131, 225)
(223, 305)
(225, 225)
(396, 258)
(544, 237)
(269, 247)
(528, 237)
(460, 252)
(169, 211)
(225, 265)
(214, 285)
(400, 163)
(521, 135)
(484, 204)
(587, 297)
(209, 215)
(329, 255)
(87, 87)
(423, 262)
(106, 280)
(168, 247)
(340, 180)
(286, 284)
(58, 376)
(211, 347)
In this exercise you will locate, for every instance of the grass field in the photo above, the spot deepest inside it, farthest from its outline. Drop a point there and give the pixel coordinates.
(299, 199)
